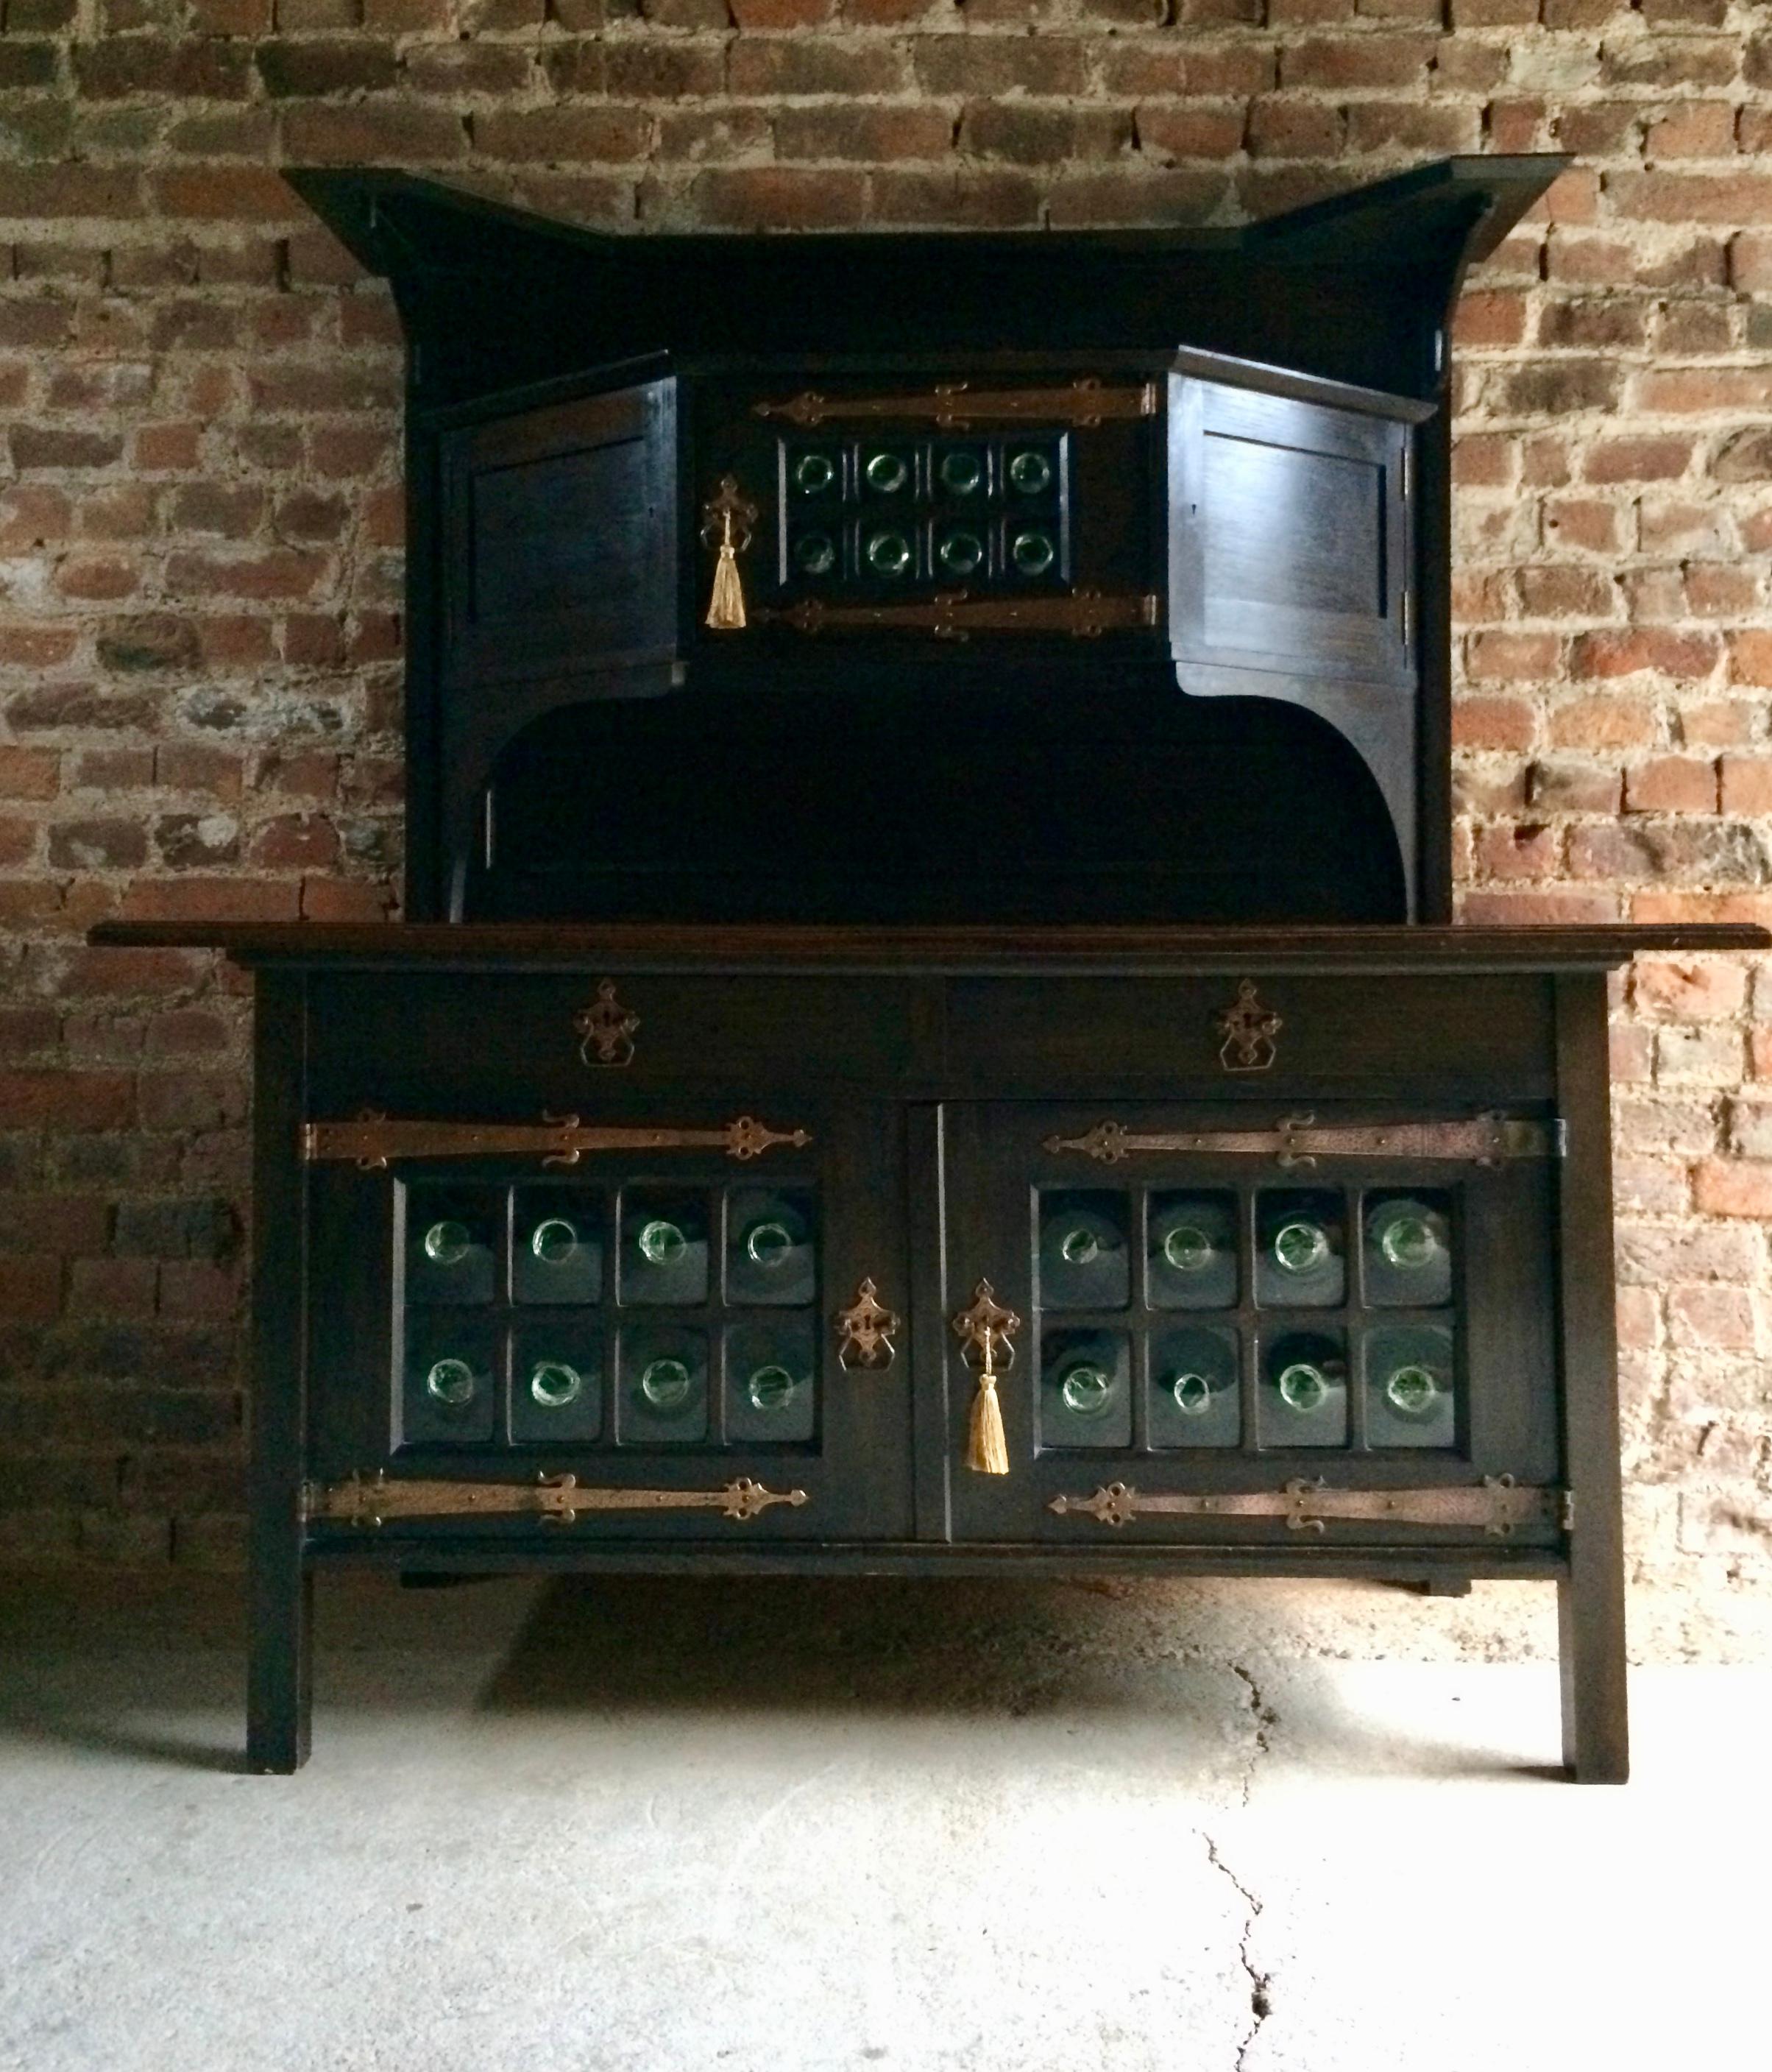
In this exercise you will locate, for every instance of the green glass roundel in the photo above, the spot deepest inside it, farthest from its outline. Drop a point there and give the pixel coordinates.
(1193, 1394)
(447, 1243)
(770, 1388)
(661, 1243)
(815, 553)
(1408, 1240)
(961, 553)
(961, 472)
(769, 1245)
(1030, 473)
(889, 553)
(1086, 1391)
(1032, 551)
(666, 1383)
(554, 1242)
(451, 1381)
(814, 473)
(887, 473)
(1187, 1248)
(1300, 1248)
(1079, 1247)
(1301, 1386)
(1413, 1390)
(554, 1384)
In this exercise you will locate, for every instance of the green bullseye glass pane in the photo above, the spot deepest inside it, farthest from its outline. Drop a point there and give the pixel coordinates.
(1304, 1390)
(1300, 1248)
(451, 1381)
(887, 473)
(1085, 1262)
(769, 1245)
(1030, 473)
(661, 1244)
(815, 553)
(446, 1244)
(554, 1241)
(1411, 1386)
(961, 472)
(770, 1388)
(1033, 552)
(1301, 1386)
(666, 1383)
(1192, 1394)
(889, 553)
(1408, 1249)
(1087, 1390)
(1300, 1257)
(554, 1384)
(960, 554)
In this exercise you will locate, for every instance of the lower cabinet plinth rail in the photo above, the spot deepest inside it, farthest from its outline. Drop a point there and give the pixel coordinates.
(1498, 1505)
(554, 1499)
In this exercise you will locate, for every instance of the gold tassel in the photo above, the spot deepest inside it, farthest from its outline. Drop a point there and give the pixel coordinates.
(988, 1452)
(726, 608)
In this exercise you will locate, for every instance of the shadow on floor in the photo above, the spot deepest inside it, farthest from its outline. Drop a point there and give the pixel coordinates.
(1118, 1659)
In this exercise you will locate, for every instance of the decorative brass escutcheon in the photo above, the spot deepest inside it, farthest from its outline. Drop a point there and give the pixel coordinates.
(1248, 1030)
(986, 1326)
(607, 1027)
(866, 1329)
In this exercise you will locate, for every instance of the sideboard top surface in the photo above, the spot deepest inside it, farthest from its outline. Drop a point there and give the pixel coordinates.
(1055, 950)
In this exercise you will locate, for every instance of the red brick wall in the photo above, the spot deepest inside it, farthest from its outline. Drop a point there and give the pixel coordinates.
(200, 576)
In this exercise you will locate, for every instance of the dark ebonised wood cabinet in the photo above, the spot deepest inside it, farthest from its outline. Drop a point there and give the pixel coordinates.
(929, 1040)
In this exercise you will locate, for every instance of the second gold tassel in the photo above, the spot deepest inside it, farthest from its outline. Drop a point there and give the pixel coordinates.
(988, 1325)
(987, 1451)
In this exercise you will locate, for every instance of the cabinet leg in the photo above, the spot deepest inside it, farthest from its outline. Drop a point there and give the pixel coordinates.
(280, 1678)
(1590, 1658)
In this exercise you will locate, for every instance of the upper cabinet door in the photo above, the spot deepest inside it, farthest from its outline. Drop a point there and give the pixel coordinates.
(1290, 527)
(559, 537)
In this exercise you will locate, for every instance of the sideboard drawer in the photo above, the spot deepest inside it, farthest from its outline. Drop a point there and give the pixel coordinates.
(1452, 1037)
(426, 1042)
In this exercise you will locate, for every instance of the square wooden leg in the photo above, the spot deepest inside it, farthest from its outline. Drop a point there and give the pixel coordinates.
(1590, 1660)
(280, 1678)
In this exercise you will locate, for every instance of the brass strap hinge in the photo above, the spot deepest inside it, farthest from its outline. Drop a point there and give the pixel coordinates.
(952, 406)
(553, 1499)
(1299, 1141)
(1497, 1506)
(372, 1140)
(953, 615)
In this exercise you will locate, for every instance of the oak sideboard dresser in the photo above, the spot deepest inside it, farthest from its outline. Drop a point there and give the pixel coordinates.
(930, 1037)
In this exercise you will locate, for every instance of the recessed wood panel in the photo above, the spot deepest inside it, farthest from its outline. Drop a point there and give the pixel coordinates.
(1290, 535)
(559, 537)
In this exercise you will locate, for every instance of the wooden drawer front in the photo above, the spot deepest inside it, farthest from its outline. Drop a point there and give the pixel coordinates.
(427, 1043)
(1452, 1038)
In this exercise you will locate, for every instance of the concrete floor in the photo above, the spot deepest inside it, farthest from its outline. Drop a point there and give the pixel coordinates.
(801, 1825)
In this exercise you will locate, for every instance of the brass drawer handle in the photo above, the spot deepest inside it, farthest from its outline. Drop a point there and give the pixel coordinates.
(986, 1326)
(865, 1332)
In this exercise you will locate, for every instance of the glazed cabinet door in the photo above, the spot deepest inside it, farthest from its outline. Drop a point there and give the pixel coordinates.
(1206, 1310)
(684, 1335)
